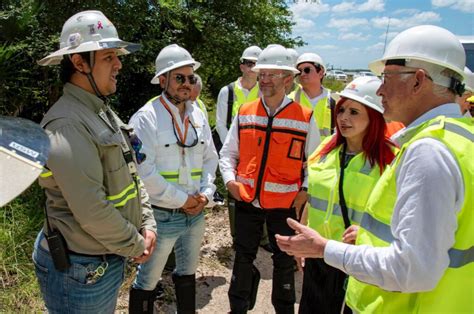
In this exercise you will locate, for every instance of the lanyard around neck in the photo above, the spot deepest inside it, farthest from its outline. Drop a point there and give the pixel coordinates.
(182, 137)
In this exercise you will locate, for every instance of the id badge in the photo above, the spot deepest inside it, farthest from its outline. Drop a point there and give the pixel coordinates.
(183, 175)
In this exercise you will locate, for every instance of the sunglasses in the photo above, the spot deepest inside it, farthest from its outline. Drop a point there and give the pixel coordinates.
(181, 79)
(137, 146)
(249, 63)
(307, 70)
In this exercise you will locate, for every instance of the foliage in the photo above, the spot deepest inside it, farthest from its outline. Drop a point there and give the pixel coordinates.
(333, 84)
(20, 221)
(215, 32)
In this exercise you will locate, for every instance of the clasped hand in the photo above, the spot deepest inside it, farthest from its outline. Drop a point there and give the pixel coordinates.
(195, 204)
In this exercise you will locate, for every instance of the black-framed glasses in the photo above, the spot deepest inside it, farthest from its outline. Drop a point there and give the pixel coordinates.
(249, 63)
(181, 79)
(308, 69)
(305, 70)
(184, 145)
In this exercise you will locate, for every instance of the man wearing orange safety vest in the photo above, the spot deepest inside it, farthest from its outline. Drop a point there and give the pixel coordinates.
(262, 167)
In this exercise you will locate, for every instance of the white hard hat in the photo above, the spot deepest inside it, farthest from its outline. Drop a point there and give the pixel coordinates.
(424, 44)
(172, 57)
(310, 58)
(275, 57)
(469, 80)
(364, 90)
(88, 31)
(293, 54)
(251, 53)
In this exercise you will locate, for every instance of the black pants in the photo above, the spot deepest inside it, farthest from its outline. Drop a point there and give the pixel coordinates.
(248, 222)
(323, 288)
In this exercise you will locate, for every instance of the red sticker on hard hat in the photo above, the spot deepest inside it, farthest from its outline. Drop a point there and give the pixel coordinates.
(99, 25)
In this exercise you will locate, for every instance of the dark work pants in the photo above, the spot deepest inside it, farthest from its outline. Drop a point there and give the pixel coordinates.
(323, 288)
(248, 222)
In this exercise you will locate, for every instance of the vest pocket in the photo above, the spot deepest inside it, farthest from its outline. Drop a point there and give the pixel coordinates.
(110, 152)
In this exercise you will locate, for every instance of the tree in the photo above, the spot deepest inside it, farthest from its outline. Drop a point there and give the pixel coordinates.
(215, 33)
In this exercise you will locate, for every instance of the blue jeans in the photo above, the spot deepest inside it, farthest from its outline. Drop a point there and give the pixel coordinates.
(178, 230)
(73, 291)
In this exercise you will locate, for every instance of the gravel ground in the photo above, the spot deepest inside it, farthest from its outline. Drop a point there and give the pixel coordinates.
(214, 272)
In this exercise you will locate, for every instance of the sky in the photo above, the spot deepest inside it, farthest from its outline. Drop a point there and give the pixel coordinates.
(348, 34)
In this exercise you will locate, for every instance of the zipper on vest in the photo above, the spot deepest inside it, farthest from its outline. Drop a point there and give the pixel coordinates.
(268, 134)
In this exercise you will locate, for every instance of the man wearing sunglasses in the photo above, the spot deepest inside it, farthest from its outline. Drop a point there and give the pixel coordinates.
(312, 94)
(262, 165)
(231, 97)
(178, 174)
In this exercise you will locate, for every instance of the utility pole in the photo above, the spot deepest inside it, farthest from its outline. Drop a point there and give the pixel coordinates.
(386, 34)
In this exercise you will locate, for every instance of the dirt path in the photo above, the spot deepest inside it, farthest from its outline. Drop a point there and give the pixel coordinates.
(214, 272)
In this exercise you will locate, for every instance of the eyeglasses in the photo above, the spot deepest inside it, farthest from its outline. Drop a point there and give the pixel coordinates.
(384, 74)
(181, 79)
(305, 70)
(270, 76)
(181, 144)
(249, 63)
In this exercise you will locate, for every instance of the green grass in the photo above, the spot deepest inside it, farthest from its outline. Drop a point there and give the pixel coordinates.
(20, 221)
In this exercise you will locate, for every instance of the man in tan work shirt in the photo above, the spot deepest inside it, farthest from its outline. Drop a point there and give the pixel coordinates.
(97, 212)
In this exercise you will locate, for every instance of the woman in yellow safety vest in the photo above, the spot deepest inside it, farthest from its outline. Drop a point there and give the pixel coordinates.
(342, 172)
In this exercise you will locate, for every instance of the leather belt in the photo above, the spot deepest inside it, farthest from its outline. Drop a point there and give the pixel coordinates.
(171, 210)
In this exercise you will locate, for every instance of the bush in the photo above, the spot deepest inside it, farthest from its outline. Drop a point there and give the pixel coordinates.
(20, 222)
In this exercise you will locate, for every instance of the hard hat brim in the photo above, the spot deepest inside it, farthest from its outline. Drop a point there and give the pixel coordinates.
(361, 100)
(258, 67)
(378, 65)
(123, 48)
(193, 63)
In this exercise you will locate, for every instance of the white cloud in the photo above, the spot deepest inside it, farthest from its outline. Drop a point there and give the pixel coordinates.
(460, 5)
(353, 36)
(345, 24)
(318, 35)
(375, 48)
(325, 47)
(406, 11)
(404, 23)
(310, 10)
(390, 35)
(352, 7)
(304, 16)
(371, 5)
(343, 7)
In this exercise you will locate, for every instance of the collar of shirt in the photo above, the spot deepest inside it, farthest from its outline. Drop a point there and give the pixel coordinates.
(285, 102)
(450, 110)
(91, 101)
(324, 94)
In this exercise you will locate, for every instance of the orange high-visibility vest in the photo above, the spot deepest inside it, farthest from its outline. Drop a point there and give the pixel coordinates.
(271, 153)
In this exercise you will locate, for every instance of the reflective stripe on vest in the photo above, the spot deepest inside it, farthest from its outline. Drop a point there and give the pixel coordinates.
(322, 111)
(240, 98)
(271, 153)
(455, 289)
(119, 200)
(325, 212)
(46, 173)
(173, 176)
(201, 105)
(280, 188)
(302, 126)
